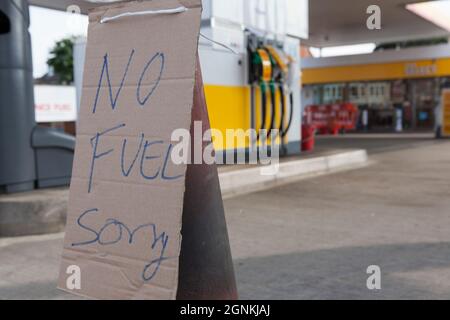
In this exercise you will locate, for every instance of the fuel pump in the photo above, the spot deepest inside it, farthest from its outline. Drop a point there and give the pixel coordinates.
(261, 75)
(280, 77)
(270, 70)
(272, 88)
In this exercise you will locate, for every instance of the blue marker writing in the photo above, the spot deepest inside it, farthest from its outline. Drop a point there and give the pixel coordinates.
(95, 156)
(158, 240)
(105, 69)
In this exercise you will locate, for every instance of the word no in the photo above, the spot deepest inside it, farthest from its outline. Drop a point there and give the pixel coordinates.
(141, 98)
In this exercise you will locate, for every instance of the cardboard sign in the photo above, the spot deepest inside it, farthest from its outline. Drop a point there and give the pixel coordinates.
(446, 112)
(126, 198)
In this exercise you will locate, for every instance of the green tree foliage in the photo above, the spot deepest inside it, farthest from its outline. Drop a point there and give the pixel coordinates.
(61, 61)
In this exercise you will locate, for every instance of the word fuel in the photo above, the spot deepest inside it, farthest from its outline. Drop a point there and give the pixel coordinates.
(143, 154)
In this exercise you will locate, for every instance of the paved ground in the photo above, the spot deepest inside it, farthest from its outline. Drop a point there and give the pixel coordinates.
(373, 143)
(314, 239)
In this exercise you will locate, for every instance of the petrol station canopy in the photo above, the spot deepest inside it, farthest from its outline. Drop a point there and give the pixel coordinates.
(333, 23)
(343, 22)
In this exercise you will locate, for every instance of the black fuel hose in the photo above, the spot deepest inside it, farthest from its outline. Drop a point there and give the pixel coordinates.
(273, 103)
(263, 110)
(291, 116)
(283, 110)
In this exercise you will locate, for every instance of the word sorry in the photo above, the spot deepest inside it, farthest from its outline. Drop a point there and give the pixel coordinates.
(114, 231)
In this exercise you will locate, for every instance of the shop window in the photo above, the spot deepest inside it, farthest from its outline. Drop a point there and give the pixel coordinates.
(5, 25)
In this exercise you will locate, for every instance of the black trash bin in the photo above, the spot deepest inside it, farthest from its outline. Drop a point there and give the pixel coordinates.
(17, 119)
(30, 156)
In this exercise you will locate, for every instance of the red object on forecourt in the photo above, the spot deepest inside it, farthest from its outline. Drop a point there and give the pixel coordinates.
(308, 137)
